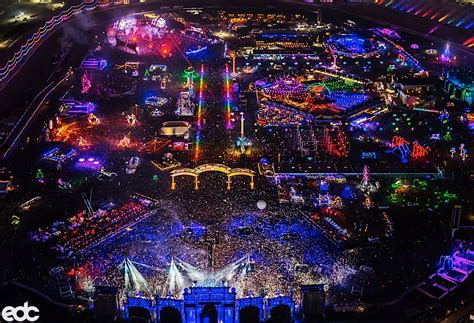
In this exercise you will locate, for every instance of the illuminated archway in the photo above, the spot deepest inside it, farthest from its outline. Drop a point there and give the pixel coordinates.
(184, 172)
(240, 172)
(212, 168)
(195, 172)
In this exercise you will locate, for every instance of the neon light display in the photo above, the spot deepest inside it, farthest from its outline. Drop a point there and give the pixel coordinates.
(227, 96)
(353, 45)
(39, 35)
(91, 163)
(197, 149)
(318, 92)
(419, 151)
(155, 101)
(93, 63)
(446, 57)
(201, 84)
(58, 155)
(194, 51)
(86, 83)
(140, 36)
(455, 16)
(199, 114)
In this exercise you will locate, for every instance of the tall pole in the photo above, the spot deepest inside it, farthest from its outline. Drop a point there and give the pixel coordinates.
(227, 96)
(455, 219)
(201, 81)
(242, 119)
(233, 65)
(233, 55)
(242, 133)
(210, 256)
(211, 240)
(190, 82)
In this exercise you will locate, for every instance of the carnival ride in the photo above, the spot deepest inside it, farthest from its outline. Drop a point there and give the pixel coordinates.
(242, 142)
(404, 151)
(200, 100)
(190, 74)
(196, 50)
(93, 120)
(366, 184)
(184, 105)
(132, 165)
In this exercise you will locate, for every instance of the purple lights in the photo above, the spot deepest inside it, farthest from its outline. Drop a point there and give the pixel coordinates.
(91, 163)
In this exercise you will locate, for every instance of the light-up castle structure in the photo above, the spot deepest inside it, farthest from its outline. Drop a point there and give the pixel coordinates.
(209, 299)
(209, 304)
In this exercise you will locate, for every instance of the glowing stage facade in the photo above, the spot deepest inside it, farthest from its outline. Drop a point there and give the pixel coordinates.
(210, 304)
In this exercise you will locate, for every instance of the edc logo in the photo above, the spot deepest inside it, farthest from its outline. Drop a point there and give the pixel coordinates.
(20, 313)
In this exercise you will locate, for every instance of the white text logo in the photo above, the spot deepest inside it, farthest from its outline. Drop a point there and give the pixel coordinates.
(20, 313)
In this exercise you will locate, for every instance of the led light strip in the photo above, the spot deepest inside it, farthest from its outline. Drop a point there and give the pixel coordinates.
(39, 34)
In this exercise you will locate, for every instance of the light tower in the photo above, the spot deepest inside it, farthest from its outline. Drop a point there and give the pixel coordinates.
(189, 73)
(227, 97)
(211, 238)
(455, 219)
(365, 184)
(232, 56)
(446, 56)
(242, 133)
(334, 62)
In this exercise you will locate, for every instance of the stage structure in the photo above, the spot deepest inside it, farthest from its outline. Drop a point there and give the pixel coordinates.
(209, 304)
(210, 299)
